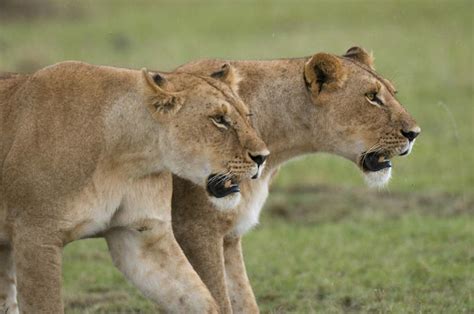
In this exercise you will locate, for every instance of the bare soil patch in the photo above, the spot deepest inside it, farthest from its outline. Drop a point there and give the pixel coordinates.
(321, 203)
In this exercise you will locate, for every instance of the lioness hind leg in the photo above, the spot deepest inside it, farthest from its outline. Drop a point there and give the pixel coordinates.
(152, 260)
(8, 302)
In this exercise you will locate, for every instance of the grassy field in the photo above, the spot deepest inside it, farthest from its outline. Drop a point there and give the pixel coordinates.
(326, 243)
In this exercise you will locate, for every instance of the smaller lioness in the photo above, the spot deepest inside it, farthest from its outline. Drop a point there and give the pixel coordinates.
(85, 151)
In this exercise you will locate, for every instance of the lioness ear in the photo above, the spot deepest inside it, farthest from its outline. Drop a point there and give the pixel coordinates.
(323, 72)
(229, 75)
(160, 103)
(359, 54)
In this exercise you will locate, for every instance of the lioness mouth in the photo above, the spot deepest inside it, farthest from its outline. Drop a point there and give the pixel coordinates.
(219, 185)
(375, 162)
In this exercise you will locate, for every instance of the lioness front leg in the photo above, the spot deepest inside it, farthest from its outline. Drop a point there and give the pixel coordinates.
(7, 281)
(205, 253)
(200, 229)
(38, 262)
(240, 291)
(152, 260)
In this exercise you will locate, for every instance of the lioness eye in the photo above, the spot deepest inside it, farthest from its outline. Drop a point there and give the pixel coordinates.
(221, 121)
(373, 99)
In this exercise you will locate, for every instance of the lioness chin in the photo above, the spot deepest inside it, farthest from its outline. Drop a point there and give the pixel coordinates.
(323, 103)
(87, 151)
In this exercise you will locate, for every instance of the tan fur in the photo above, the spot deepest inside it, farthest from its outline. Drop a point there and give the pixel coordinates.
(299, 106)
(328, 66)
(85, 151)
(360, 55)
(229, 75)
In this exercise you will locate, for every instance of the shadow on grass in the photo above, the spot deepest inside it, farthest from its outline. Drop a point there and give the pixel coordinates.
(323, 203)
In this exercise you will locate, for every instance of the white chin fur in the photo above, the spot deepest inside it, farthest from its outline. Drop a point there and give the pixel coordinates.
(410, 147)
(379, 178)
(226, 203)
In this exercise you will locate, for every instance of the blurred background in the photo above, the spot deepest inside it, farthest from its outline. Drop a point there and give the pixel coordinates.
(325, 243)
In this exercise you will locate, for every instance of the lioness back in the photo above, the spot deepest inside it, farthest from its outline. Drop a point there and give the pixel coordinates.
(9, 84)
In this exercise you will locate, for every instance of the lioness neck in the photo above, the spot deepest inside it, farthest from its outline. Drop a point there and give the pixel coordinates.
(114, 98)
(133, 135)
(277, 96)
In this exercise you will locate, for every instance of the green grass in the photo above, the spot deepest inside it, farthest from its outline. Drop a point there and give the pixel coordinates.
(336, 247)
(412, 264)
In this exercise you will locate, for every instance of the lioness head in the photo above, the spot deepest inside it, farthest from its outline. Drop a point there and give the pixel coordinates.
(206, 131)
(363, 120)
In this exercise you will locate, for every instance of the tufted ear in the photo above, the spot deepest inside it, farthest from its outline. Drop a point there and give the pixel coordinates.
(323, 72)
(160, 103)
(229, 75)
(359, 54)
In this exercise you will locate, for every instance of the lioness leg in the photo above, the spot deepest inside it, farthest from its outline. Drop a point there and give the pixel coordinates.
(240, 290)
(199, 229)
(7, 281)
(206, 255)
(38, 260)
(152, 260)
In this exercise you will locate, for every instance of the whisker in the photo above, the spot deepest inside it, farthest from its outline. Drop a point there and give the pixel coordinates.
(373, 149)
(216, 177)
(221, 177)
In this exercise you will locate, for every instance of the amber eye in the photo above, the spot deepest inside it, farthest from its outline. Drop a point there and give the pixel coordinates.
(371, 96)
(373, 99)
(221, 121)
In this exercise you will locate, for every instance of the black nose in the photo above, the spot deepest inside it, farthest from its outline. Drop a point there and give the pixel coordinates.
(259, 159)
(410, 135)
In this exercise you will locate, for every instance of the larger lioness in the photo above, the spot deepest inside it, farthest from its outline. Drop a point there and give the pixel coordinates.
(322, 103)
(85, 151)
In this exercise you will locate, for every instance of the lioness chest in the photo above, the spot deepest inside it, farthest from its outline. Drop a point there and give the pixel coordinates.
(110, 201)
(254, 194)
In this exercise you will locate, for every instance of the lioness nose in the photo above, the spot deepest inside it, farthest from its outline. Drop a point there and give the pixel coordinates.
(259, 159)
(411, 134)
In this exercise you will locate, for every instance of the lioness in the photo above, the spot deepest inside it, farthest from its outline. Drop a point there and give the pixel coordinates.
(85, 152)
(322, 103)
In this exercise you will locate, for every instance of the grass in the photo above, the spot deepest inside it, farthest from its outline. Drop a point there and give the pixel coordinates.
(373, 265)
(326, 243)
